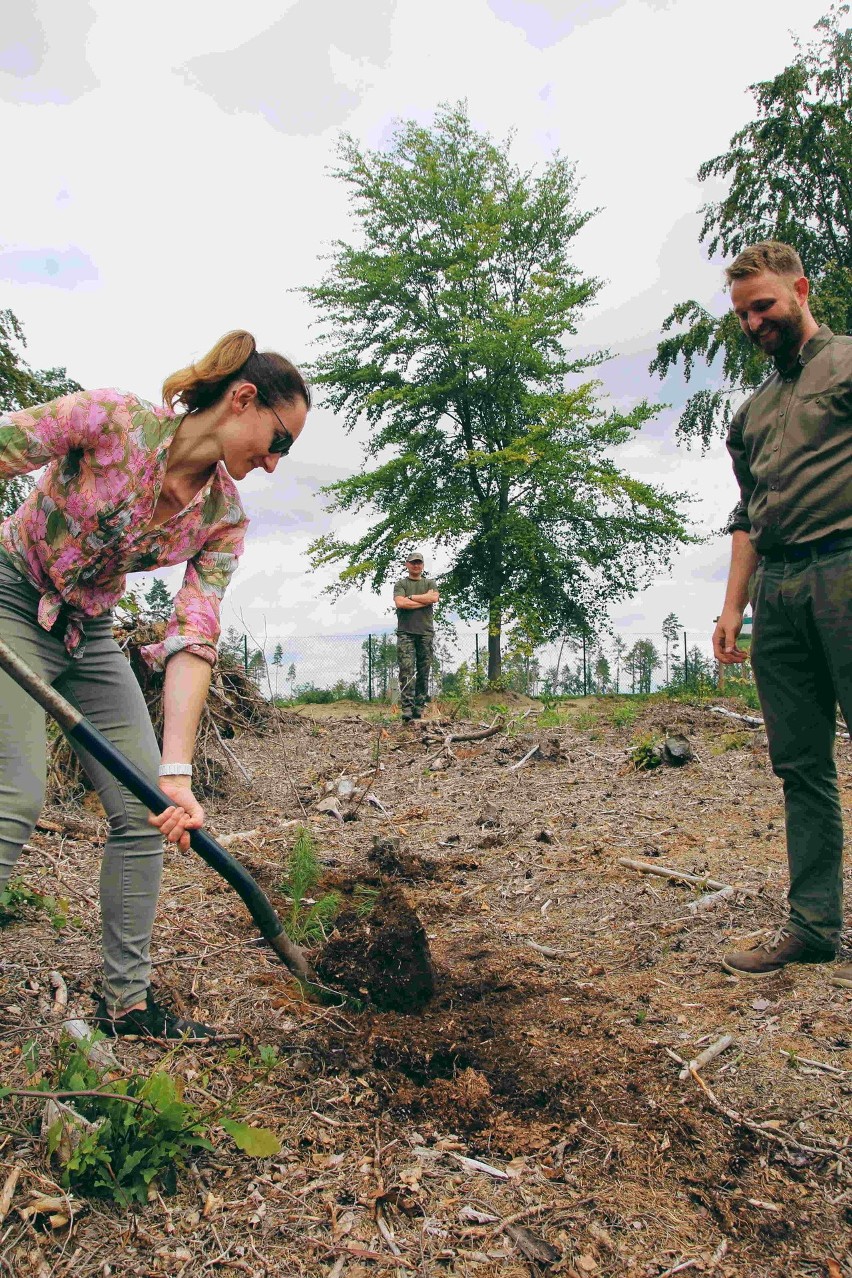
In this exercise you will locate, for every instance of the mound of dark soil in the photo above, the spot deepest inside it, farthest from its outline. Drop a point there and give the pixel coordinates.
(383, 955)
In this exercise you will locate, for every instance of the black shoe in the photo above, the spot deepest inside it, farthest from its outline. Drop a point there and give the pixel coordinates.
(406, 717)
(153, 1022)
(417, 714)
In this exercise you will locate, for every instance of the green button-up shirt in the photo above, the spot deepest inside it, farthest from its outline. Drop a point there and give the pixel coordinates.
(791, 446)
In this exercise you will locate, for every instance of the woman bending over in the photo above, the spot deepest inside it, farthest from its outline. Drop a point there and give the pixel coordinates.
(128, 487)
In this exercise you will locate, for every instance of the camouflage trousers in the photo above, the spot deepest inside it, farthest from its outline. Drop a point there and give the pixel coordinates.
(415, 661)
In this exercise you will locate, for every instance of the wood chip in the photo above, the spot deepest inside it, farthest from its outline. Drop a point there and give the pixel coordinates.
(8, 1192)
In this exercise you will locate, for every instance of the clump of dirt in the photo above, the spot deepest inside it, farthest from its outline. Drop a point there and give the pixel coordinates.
(391, 859)
(382, 954)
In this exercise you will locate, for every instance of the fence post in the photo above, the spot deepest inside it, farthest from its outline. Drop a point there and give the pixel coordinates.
(369, 667)
(245, 653)
(476, 637)
(585, 685)
(685, 663)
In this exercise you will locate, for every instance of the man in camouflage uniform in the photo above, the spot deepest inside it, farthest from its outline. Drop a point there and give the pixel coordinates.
(414, 597)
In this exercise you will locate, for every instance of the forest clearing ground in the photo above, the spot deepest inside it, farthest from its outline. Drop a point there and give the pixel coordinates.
(551, 1067)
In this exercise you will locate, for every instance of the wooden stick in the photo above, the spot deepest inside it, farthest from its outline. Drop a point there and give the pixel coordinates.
(710, 900)
(60, 995)
(806, 1060)
(709, 1054)
(226, 750)
(529, 754)
(8, 1193)
(680, 876)
(481, 735)
(778, 1138)
(68, 825)
(750, 719)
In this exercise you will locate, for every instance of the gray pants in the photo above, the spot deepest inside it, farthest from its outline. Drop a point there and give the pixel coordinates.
(802, 659)
(102, 686)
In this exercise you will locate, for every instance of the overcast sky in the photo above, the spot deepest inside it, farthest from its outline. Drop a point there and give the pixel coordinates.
(167, 179)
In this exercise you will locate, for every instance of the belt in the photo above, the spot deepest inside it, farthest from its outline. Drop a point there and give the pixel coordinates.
(810, 549)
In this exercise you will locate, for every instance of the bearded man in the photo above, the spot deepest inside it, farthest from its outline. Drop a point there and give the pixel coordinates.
(791, 447)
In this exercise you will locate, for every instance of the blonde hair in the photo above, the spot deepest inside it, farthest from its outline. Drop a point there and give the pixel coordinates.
(768, 255)
(235, 356)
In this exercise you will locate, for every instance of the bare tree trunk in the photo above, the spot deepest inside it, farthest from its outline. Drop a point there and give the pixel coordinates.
(495, 627)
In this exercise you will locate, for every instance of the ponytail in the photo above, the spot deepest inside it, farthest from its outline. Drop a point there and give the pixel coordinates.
(235, 356)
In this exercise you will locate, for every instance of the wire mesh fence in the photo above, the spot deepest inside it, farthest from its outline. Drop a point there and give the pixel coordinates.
(363, 666)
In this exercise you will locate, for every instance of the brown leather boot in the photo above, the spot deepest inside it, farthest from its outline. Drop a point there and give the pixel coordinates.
(773, 955)
(842, 976)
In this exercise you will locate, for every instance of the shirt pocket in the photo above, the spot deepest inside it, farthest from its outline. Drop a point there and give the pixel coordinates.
(823, 415)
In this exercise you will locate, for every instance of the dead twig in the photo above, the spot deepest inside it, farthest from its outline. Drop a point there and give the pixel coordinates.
(681, 876)
(709, 1054)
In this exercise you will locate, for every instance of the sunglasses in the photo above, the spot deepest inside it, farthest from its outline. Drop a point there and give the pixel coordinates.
(281, 444)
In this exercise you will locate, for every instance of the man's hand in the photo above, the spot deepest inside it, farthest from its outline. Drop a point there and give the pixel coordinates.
(725, 635)
(187, 813)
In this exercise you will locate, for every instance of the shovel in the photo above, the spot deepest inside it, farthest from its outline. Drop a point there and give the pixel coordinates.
(79, 730)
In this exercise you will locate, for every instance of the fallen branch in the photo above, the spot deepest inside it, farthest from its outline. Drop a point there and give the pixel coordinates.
(482, 735)
(754, 722)
(476, 1165)
(704, 1058)
(547, 950)
(529, 754)
(60, 992)
(226, 750)
(72, 827)
(750, 719)
(8, 1192)
(710, 900)
(770, 1134)
(681, 876)
(806, 1060)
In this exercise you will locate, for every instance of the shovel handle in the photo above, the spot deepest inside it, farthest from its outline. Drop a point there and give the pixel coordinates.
(79, 730)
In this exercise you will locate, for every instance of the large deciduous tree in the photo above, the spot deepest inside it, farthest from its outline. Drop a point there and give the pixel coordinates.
(789, 178)
(444, 329)
(21, 387)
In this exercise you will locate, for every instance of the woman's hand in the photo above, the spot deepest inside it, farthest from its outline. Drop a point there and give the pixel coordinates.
(187, 813)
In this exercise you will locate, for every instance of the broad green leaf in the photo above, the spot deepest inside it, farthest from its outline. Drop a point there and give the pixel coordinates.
(257, 1142)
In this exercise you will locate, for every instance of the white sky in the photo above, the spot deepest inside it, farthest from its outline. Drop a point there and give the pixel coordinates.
(167, 179)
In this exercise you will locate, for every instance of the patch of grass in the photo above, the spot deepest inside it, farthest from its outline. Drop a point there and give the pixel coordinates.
(585, 718)
(364, 899)
(308, 920)
(730, 741)
(17, 897)
(623, 714)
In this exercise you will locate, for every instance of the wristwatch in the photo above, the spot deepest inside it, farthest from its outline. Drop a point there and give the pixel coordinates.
(175, 770)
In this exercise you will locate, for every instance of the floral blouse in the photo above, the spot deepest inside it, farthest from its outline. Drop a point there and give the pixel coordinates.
(86, 523)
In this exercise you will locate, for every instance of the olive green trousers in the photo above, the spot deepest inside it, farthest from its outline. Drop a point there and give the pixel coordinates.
(103, 687)
(802, 659)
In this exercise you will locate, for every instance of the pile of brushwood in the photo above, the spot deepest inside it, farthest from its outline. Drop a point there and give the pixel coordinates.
(235, 704)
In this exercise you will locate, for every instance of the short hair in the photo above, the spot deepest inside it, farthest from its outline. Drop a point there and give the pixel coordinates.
(768, 255)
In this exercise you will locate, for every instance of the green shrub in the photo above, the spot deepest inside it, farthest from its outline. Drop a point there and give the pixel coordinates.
(646, 752)
(123, 1135)
(17, 897)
